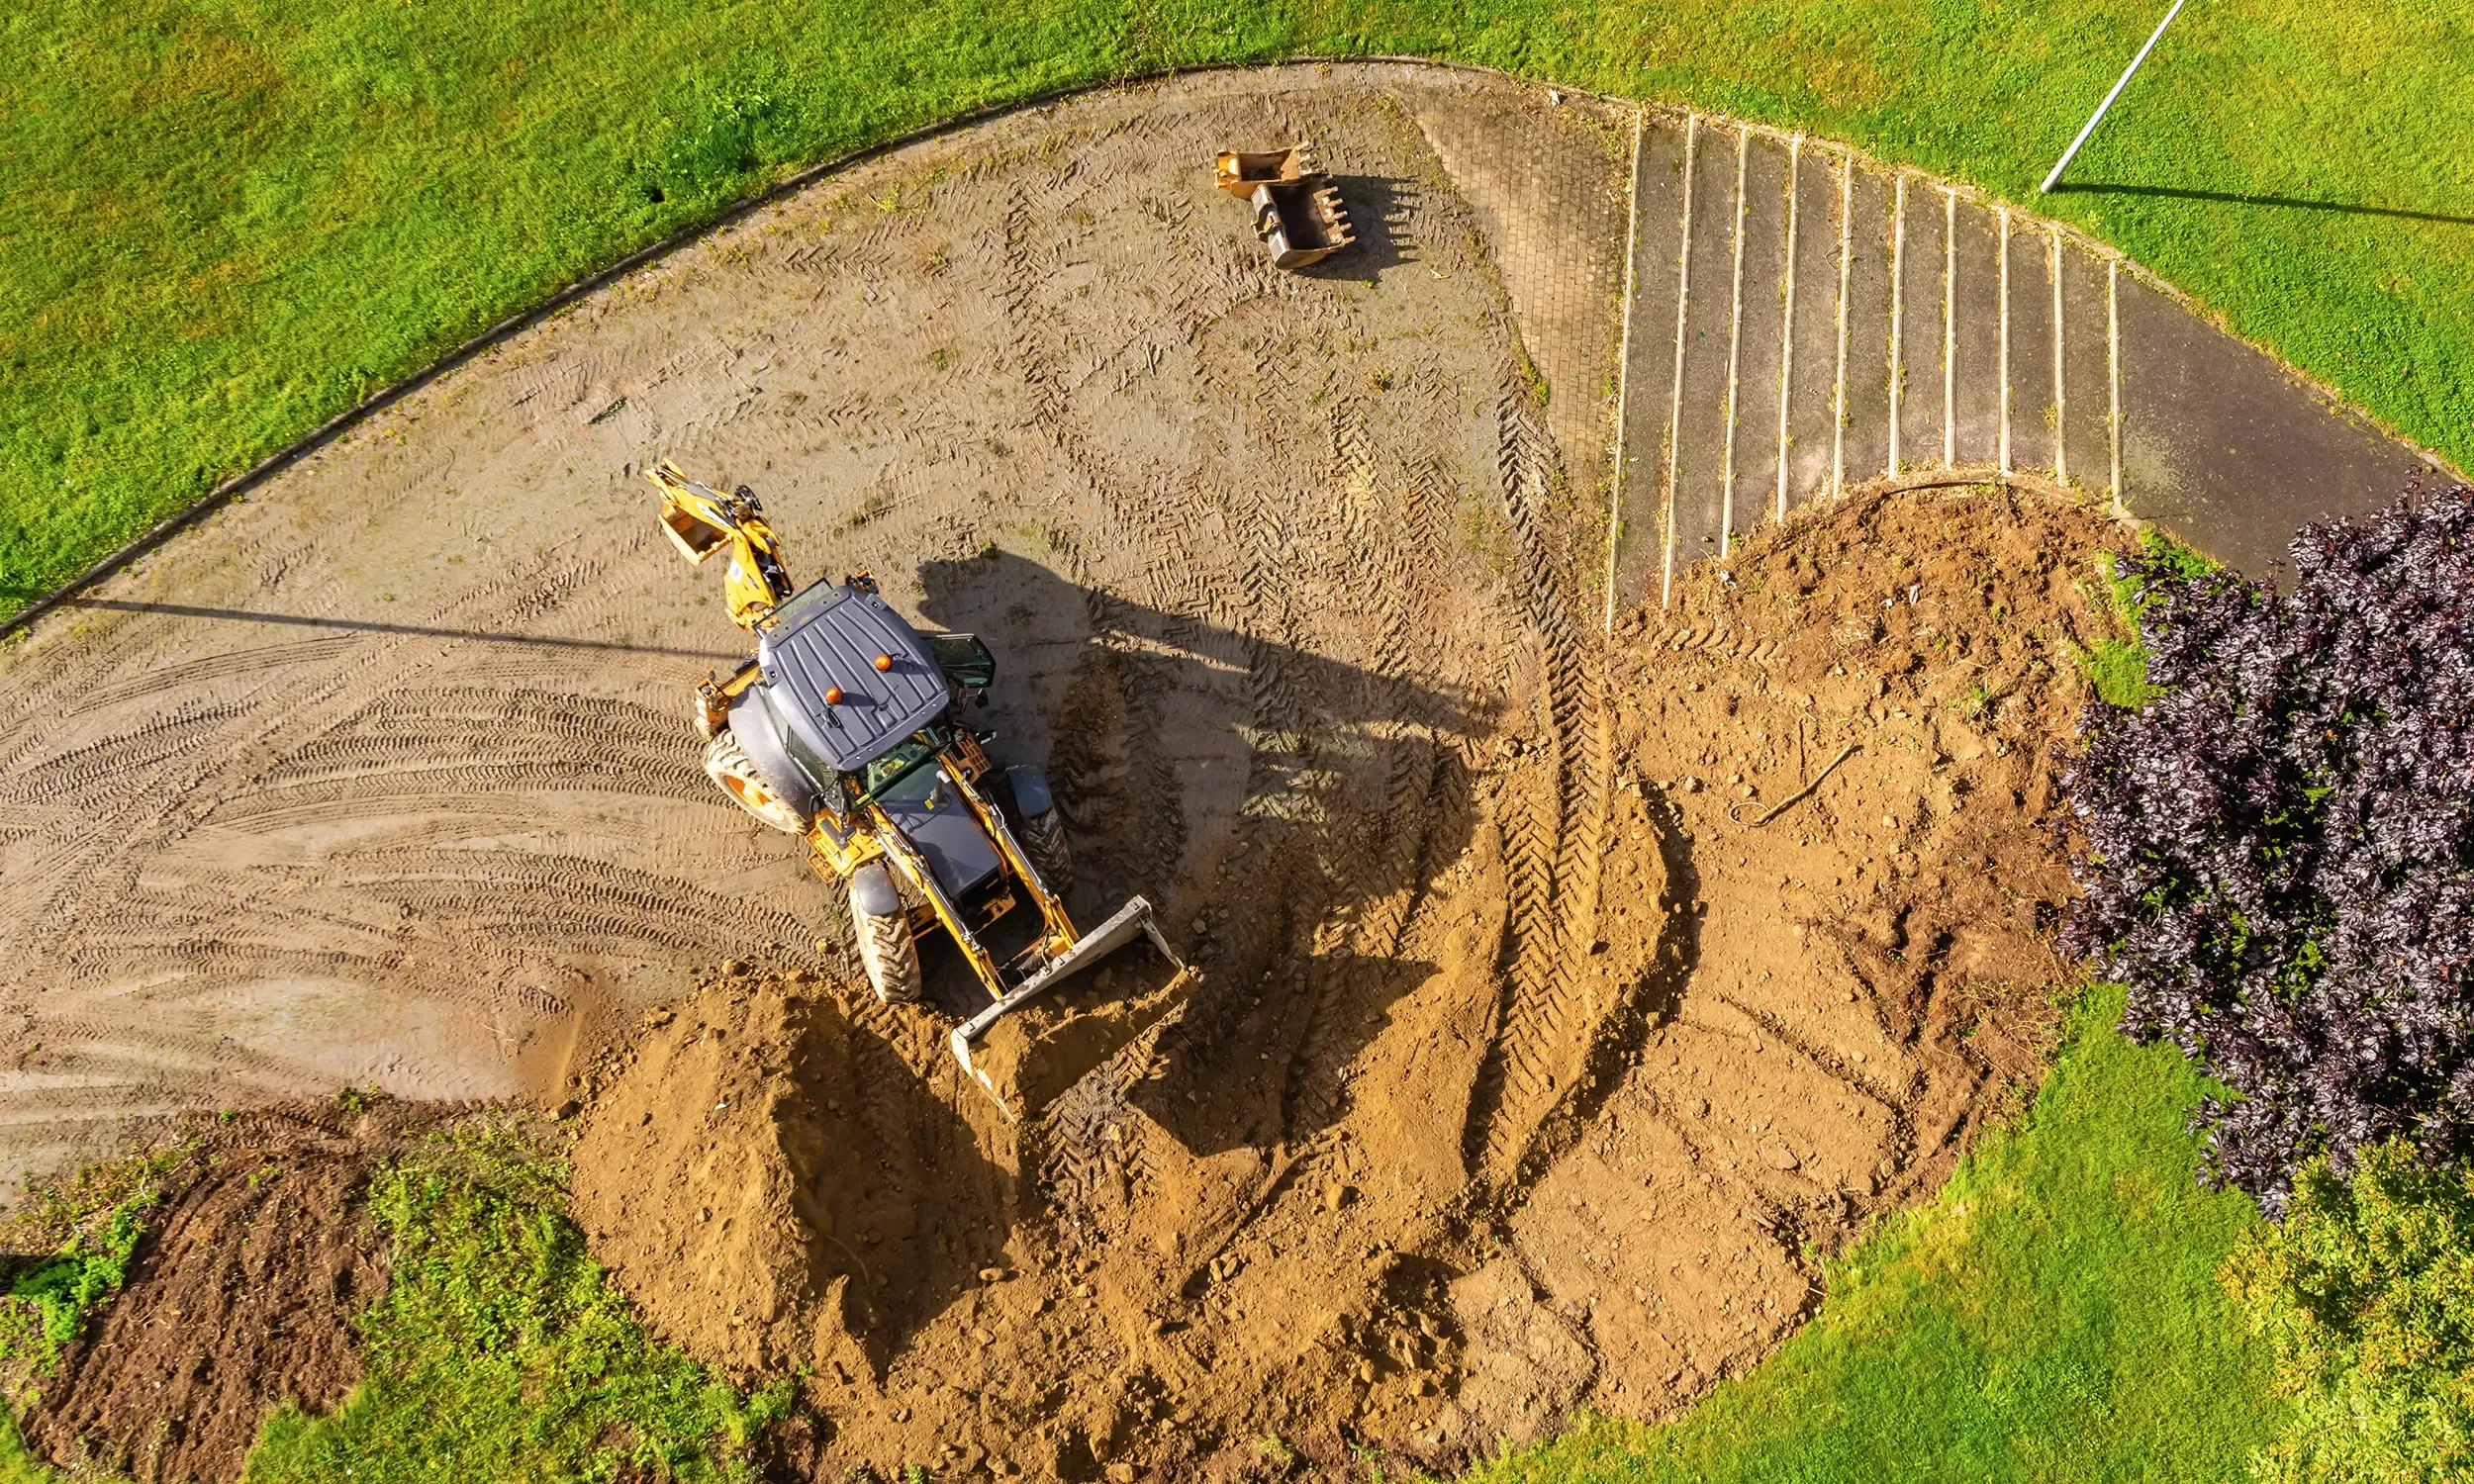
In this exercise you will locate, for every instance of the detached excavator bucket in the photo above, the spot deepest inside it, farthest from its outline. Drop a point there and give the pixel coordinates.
(1239, 172)
(1298, 211)
(1025, 1062)
(1302, 221)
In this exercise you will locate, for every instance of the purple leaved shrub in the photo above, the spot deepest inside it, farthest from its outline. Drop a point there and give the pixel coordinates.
(2278, 845)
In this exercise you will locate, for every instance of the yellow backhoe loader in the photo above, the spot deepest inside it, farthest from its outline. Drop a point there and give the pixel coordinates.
(843, 730)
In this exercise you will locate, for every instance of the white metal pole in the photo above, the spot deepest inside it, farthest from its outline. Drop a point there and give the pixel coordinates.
(2099, 116)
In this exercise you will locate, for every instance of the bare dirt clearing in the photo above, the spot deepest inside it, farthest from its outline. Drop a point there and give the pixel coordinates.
(1522, 1075)
(1744, 1043)
(377, 778)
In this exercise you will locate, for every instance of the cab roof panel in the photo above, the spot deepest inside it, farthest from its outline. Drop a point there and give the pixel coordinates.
(829, 637)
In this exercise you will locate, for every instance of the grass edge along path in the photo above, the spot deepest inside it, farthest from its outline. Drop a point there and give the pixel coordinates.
(2053, 1314)
(229, 225)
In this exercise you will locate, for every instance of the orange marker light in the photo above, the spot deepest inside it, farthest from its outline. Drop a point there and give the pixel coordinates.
(885, 662)
(832, 695)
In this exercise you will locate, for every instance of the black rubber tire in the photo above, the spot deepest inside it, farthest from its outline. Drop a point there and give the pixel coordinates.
(727, 765)
(889, 953)
(1042, 837)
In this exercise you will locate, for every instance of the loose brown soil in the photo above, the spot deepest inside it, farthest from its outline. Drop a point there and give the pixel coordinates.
(1520, 1076)
(1426, 1199)
(239, 1299)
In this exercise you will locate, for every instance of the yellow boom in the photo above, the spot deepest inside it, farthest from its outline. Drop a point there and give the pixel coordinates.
(701, 522)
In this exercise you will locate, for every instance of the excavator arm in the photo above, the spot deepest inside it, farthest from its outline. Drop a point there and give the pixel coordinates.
(701, 522)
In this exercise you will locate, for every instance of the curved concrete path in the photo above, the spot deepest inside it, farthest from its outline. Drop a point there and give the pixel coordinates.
(418, 699)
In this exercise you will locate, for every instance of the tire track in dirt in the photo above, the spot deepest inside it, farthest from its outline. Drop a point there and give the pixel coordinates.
(1369, 929)
(1546, 1023)
(145, 883)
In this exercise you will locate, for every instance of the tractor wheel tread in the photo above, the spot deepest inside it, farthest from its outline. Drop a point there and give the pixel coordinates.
(1043, 840)
(727, 765)
(890, 956)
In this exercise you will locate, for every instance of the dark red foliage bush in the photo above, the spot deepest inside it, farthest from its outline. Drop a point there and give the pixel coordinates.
(2278, 854)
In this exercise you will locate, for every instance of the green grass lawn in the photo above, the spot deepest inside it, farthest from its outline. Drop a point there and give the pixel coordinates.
(226, 222)
(502, 1351)
(2053, 1315)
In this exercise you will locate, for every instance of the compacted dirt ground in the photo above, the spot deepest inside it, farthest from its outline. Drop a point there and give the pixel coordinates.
(1527, 1070)
(384, 775)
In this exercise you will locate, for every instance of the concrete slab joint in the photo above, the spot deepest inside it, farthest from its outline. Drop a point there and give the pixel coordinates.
(2021, 386)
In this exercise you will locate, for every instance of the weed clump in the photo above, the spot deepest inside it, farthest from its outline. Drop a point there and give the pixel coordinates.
(2118, 666)
(92, 1222)
(2365, 1297)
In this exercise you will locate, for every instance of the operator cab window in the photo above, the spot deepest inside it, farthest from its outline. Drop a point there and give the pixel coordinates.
(879, 777)
(803, 604)
(964, 658)
(823, 780)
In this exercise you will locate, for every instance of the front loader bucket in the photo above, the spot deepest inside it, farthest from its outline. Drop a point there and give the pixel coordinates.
(1027, 1064)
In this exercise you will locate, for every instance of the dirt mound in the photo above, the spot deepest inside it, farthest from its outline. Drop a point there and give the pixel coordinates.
(777, 1183)
(240, 1297)
(1038, 1054)
(1869, 968)
(1929, 639)
(1561, 1115)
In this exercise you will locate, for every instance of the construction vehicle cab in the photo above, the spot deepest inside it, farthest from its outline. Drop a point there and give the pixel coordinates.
(845, 730)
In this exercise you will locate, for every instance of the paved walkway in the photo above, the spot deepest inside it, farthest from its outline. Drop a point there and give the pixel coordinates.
(1801, 320)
